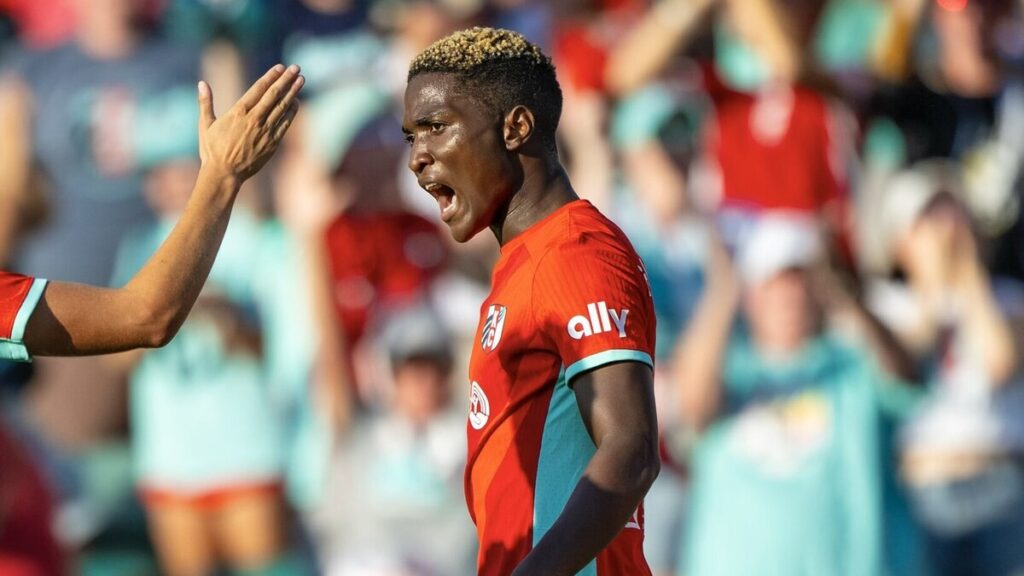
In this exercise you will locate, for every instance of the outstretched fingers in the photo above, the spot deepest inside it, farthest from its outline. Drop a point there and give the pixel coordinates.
(275, 93)
(284, 104)
(255, 92)
(286, 121)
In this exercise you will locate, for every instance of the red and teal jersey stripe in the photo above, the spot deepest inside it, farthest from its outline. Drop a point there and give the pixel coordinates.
(18, 298)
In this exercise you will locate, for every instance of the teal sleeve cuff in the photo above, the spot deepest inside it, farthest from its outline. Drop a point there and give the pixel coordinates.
(606, 357)
(14, 349)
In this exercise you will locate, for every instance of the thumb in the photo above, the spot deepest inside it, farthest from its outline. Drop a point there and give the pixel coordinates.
(206, 116)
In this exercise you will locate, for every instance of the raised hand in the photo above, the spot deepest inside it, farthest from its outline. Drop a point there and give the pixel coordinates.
(240, 142)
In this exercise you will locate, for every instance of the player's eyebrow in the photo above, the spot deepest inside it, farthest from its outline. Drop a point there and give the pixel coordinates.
(424, 121)
(427, 120)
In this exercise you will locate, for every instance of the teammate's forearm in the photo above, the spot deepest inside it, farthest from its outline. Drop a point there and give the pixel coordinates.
(171, 280)
(75, 319)
(602, 504)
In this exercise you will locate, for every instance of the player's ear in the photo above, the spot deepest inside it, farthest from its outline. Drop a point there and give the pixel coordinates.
(518, 128)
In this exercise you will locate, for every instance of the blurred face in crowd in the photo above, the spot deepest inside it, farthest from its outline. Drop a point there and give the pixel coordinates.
(421, 388)
(120, 11)
(780, 311)
(458, 154)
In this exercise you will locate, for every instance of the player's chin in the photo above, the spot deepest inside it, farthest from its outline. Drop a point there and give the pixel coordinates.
(463, 230)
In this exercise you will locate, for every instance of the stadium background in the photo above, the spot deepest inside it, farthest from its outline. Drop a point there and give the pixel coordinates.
(325, 361)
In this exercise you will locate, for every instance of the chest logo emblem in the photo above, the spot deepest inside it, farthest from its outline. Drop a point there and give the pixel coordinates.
(479, 407)
(492, 327)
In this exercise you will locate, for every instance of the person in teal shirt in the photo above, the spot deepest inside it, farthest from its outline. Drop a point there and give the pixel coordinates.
(788, 449)
(210, 410)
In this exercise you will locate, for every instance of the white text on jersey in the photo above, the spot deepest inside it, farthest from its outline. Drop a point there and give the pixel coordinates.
(600, 320)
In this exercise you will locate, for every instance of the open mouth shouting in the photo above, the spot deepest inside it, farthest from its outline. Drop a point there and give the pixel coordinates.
(446, 198)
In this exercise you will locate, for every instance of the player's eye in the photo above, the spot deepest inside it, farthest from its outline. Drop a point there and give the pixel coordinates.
(408, 138)
(436, 128)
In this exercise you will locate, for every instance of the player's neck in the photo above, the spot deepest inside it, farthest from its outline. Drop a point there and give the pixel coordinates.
(545, 188)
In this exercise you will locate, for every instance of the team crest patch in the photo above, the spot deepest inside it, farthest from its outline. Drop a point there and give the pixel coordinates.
(479, 407)
(492, 327)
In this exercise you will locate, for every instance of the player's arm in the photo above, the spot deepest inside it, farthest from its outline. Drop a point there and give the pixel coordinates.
(74, 319)
(616, 402)
(651, 44)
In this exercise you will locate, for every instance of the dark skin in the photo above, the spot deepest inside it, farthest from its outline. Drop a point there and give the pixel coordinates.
(492, 170)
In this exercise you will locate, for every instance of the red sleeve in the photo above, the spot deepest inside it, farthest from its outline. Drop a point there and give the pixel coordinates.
(14, 290)
(593, 305)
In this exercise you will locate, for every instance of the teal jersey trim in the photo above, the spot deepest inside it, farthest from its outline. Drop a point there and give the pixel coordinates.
(565, 451)
(14, 348)
(606, 357)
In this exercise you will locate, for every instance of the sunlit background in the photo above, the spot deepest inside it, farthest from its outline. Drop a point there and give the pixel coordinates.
(826, 195)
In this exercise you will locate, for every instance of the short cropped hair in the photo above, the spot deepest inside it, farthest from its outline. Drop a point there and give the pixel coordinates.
(502, 69)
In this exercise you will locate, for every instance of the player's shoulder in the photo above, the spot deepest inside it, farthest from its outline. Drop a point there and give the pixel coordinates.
(589, 252)
(586, 237)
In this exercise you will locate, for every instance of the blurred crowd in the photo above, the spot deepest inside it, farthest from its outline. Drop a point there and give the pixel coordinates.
(826, 195)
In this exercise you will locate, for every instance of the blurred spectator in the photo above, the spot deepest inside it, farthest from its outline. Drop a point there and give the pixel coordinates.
(682, 117)
(962, 451)
(25, 503)
(395, 499)
(584, 34)
(378, 254)
(772, 142)
(74, 121)
(381, 256)
(788, 457)
(79, 103)
(208, 438)
(965, 101)
(655, 133)
(415, 24)
(245, 24)
(531, 18)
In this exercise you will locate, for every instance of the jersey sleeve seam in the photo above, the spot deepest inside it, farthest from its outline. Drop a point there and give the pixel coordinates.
(605, 357)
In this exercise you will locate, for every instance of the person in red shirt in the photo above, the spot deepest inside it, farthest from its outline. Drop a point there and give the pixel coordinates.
(40, 318)
(563, 440)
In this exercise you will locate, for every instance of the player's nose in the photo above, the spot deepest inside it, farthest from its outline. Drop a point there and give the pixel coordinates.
(419, 158)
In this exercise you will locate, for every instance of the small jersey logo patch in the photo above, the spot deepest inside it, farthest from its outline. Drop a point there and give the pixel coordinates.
(479, 407)
(599, 319)
(492, 327)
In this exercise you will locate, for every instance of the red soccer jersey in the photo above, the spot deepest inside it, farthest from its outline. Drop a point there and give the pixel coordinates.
(568, 295)
(18, 297)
